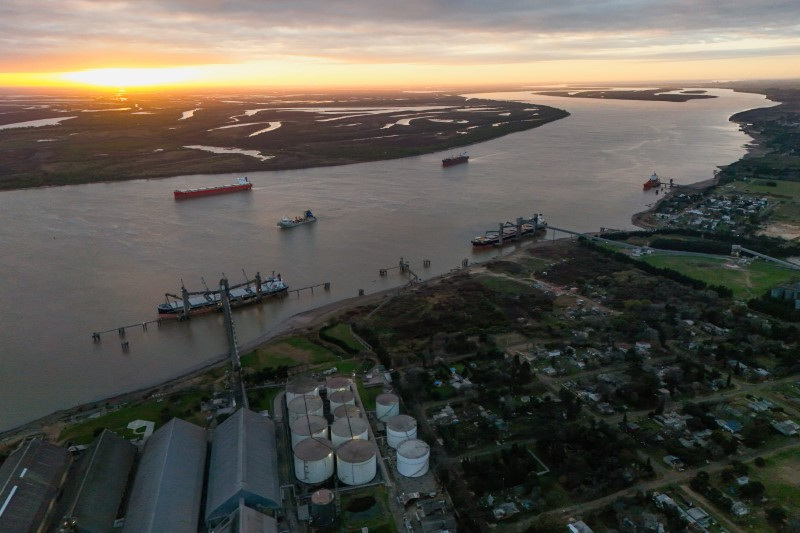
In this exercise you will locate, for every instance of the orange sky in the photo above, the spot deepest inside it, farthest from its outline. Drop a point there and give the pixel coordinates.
(415, 43)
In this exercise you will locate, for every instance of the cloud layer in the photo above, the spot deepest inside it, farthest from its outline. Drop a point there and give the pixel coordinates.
(63, 35)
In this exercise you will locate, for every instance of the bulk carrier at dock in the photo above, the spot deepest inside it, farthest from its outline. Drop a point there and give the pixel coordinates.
(192, 303)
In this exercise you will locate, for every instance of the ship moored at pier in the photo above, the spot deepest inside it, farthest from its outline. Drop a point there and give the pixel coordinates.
(242, 184)
(653, 181)
(249, 292)
(511, 231)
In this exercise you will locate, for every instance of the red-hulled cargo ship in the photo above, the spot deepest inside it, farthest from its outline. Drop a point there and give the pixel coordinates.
(654, 181)
(454, 160)
(242, 184)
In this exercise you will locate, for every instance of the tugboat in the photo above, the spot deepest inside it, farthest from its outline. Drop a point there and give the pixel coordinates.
(654, 181)
(307, 218)
(455, 159)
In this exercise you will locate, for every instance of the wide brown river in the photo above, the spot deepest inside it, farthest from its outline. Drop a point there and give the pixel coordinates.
(80, 259)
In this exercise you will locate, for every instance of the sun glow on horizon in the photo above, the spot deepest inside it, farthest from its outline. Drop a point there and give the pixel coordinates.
(132, 77)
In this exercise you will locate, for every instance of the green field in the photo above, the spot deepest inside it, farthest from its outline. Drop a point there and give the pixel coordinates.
(344, 334)
(160, 411)
(746, 282)
(292, 351)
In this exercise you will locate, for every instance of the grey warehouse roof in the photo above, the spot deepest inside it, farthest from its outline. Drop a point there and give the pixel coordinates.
(96, 484)
(29, 480)
(168, 487)
(244, 465)
(245, 520)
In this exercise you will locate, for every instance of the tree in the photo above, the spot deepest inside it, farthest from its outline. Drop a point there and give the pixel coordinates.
(776, 516)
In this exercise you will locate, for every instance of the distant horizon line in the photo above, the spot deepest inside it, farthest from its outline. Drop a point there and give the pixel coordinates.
(416, 88)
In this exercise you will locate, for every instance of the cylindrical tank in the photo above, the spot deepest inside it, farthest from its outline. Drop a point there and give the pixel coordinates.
(304, 405)
(400, 428)
(337, 383)
(323, 509)
(302, 386)
(313, 460)
(387, 405)
(356, 461)
(352, 411)
(341, 397)
(309, 426)
(412, 458)
(344, 429)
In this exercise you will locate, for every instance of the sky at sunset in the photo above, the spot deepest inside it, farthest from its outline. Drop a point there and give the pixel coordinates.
(399, 43)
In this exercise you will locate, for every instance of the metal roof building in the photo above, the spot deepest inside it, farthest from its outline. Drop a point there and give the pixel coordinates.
(29, 480)
(244, 465)
(246, 520)
(95, 485)
(168, 487)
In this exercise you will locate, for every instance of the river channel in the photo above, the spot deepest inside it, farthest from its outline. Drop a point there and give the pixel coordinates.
(87, 258)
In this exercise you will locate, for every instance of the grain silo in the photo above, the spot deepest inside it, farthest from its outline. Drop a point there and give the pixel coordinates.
(341, 397)
(356, 461)
(413, 456)
(323, 508)
(313, 460)
(387, 405)
(345, 429)
(352, 411)
(337, 383)
(304, 405)
(309, 426)
(400, 428)
(302, 386)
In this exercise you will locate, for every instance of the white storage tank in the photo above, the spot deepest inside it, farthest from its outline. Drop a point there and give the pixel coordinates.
(341, 397)
(413, 456)
(351, 411)
(356, 461)
(345, 429)
(337, 383)
(400, 428)
(302, 386)
(387, 405)
(309, 426)
(313, 460)
(304, 405)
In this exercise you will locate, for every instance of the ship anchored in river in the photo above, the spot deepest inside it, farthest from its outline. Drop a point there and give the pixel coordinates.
(250, 292)
(242, 184)
(511, 231)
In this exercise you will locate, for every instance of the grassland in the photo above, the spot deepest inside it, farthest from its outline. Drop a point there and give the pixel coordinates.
(746, 281)
(160, 411)
(292, 351)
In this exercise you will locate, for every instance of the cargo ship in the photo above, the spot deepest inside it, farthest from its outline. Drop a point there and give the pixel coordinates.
(527, 228)
(455, 159)
(654, 181)
(242, 184)
(208, 300)
(307, 218)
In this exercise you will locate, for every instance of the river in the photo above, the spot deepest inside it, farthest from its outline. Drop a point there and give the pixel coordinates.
(86, 258)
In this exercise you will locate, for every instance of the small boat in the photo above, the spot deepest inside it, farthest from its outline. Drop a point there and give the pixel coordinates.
(242, 184)
(654, 181)
(455, 159)
(307, 218)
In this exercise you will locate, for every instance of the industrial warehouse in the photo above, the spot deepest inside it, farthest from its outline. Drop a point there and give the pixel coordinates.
(252, 473)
